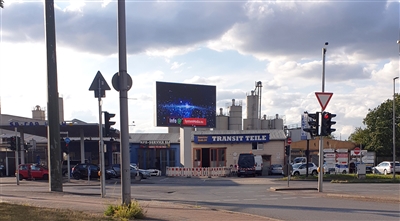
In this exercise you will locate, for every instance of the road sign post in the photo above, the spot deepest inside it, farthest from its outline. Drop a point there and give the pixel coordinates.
(99, 86)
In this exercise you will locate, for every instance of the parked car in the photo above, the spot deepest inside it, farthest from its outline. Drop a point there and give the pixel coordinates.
(135, 171)
(72, 163)
(2, 170)
(343, 169)
(301, 169)
(84, 170)
(258, 164)
(299, 160)
(386, 167)
(275, 169)
(246, 165)
(116, 168)
(37, 171)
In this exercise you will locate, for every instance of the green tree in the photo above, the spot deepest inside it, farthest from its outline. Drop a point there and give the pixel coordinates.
(378, 134)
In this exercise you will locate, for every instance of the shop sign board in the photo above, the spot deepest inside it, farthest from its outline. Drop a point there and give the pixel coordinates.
(231, 138)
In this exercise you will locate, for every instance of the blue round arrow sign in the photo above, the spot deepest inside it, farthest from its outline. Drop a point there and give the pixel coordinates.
(67, 140)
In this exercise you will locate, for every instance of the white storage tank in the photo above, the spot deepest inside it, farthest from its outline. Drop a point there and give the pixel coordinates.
(222, 121)
(235, 116)
(252, 111)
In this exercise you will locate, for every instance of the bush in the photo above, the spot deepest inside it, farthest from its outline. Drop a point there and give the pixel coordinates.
(126, 212)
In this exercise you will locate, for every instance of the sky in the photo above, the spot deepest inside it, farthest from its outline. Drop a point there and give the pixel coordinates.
(230, 44)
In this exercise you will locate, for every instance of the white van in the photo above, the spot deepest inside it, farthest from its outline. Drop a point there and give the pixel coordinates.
(259, 164)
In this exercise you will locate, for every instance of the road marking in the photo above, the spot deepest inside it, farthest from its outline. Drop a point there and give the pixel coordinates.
(275, 195)
(309, 197)
(288, 198)
(249, 199)
(213, 200)
(261, 195)
(270, 199)
(229, 200)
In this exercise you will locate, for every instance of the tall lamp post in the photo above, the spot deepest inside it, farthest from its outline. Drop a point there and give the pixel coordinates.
(394, 127)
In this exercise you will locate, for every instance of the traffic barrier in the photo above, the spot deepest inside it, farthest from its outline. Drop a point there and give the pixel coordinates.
(198, 171)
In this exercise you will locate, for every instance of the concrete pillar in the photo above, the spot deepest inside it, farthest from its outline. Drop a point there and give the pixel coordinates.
(186, 147)
(82, 141)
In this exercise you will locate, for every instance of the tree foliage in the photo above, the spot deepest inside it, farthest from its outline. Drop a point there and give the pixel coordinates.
(378, 134)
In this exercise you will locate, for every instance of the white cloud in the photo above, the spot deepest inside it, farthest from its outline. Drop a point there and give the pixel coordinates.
(228, 44)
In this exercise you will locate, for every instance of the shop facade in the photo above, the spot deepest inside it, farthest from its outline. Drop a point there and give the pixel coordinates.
(222, 148)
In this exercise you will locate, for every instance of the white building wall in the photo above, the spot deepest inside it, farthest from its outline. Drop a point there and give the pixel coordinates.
(273, 148)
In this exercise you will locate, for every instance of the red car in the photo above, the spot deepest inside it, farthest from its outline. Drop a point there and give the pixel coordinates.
(37, 172)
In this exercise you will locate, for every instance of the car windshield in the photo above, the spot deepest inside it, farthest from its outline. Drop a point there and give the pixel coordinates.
(296, 165)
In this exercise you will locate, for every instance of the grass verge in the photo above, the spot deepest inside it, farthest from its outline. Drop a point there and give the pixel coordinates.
(17, 212)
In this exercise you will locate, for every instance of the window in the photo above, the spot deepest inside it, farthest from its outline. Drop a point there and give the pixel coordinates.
(34, 167)
(257, 146)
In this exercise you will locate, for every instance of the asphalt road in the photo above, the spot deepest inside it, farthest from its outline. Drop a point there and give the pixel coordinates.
(254, 196)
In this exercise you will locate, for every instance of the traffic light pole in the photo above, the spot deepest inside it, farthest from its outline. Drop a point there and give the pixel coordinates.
(321, 138)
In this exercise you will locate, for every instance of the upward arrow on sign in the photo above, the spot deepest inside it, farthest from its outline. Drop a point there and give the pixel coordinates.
(99, 85)
(323, 98)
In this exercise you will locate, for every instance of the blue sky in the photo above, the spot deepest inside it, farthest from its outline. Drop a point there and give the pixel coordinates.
(229, 44)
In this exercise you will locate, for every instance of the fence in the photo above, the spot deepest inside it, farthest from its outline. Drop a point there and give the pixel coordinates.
(198, 171)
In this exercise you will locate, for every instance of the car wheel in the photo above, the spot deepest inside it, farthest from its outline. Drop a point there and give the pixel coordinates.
(141, 176)
(296, 173)
(76, 176)
(344, 172)
(314, 173)
(238, 174)
(385, 172)
(46, 177)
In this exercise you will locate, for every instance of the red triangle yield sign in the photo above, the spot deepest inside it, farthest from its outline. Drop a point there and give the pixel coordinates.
(323, 98)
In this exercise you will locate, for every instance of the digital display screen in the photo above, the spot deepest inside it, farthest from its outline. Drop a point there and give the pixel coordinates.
(185, 105)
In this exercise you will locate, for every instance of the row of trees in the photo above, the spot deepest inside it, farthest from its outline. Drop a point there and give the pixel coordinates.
(377, 135)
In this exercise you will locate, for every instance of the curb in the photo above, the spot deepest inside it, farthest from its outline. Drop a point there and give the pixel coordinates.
(291, 188)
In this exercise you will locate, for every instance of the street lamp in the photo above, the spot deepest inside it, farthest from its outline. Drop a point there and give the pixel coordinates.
(394, 127)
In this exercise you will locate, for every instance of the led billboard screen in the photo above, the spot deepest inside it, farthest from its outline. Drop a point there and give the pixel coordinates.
(185, 105)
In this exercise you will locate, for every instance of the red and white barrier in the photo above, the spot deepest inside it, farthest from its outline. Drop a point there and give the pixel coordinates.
(198, 171)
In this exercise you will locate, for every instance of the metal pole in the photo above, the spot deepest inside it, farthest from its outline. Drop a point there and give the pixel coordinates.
(321, 138)
(101, 149)
(123, 102)
(53, 128)
(307, 155)
(394, 127)
(16, 156)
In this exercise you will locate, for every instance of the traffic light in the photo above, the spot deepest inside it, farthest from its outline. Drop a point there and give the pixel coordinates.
(326, 124)
(1, 4)
(287, 150)
(108, 123)
(13, 143)
(313, 123)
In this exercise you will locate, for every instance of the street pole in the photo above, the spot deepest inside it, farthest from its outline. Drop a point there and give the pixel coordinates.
(123, 106)
(101, 147)
(321, 138)
(16, 156)
(394, 127)
(53, 128)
